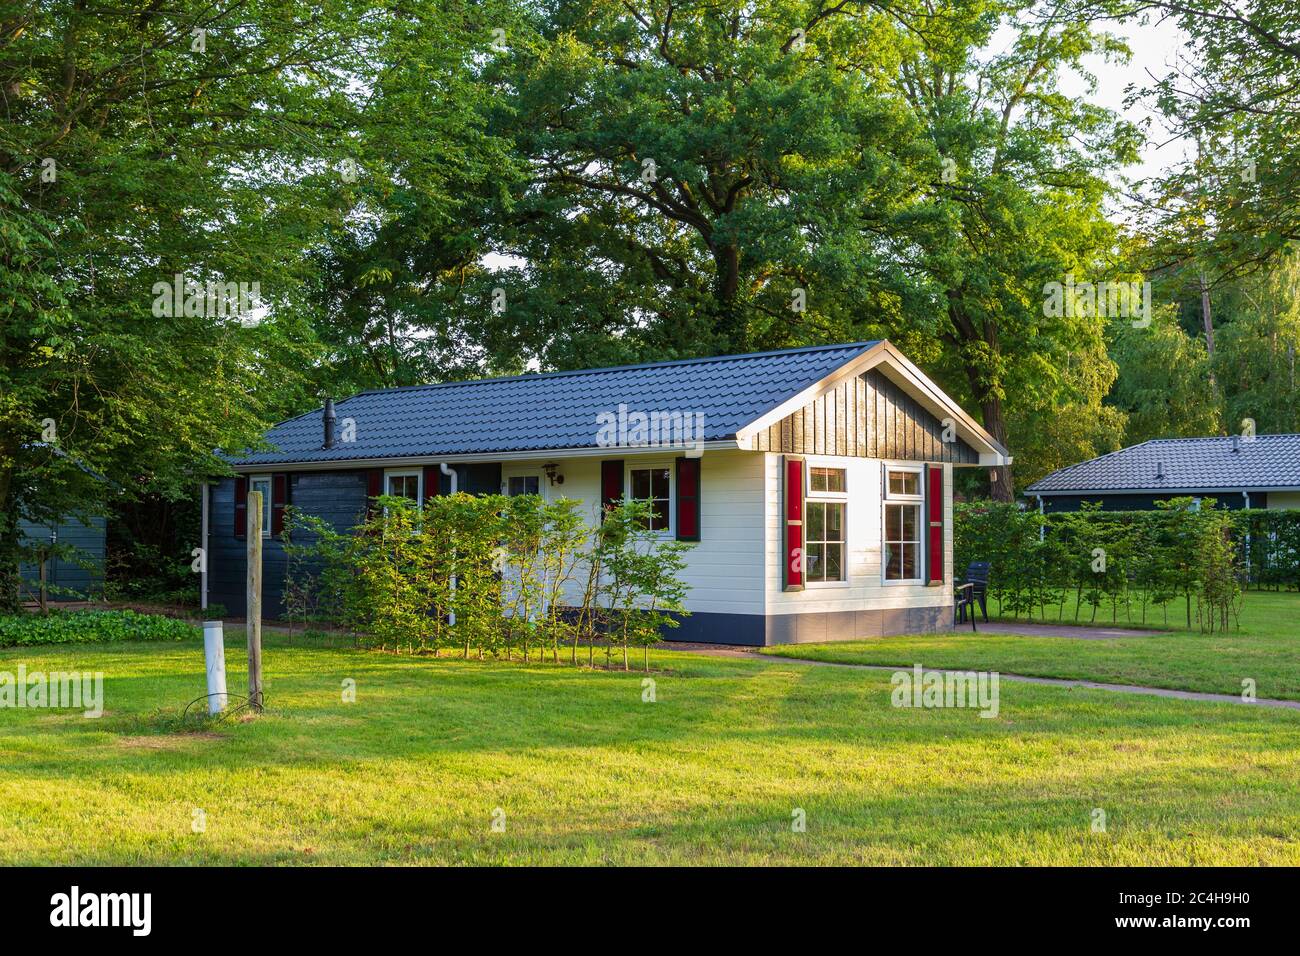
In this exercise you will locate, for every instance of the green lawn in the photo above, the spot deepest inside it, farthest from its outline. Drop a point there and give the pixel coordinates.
(588, 773)
(1265, 649)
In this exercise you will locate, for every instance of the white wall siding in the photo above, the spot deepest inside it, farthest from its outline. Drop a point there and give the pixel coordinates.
(864, 588)
(725, 569)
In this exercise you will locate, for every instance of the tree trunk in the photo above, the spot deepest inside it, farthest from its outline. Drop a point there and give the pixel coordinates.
(729, 323)
(966, 332)
(995, 423)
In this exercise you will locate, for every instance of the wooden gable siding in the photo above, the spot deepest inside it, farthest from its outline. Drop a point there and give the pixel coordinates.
(867, 416)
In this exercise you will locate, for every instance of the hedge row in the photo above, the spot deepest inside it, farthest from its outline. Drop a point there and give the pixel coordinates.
(489, 574)
(1132, 561)
(90, 627)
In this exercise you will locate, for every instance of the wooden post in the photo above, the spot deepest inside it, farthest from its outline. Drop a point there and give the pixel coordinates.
(254, 603)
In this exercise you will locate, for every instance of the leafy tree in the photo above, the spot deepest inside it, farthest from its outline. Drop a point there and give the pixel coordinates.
(1255, 362)
(791, 172)
(699, 173)
(1165, 382)
(141, 143)
(1013, 203)
(1235, 204)
(217, 142)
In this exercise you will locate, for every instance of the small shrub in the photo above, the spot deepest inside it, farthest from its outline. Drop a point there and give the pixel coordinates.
(489, 572)
(91, 627)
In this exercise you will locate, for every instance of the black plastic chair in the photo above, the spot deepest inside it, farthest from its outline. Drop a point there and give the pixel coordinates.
(964, 595)
(977, 575)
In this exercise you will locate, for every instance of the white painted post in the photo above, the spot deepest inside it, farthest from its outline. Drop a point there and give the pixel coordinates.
(214, 652)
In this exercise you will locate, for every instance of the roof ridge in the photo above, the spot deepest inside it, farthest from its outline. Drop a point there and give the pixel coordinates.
(1154, 441)
(529, 376)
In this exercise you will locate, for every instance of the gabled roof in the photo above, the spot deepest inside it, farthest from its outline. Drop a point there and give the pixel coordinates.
(1187, 464)
(558, 410)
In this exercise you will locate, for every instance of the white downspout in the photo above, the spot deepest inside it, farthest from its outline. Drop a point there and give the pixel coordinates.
(1042, 529)
(451, 473)
(203, 545)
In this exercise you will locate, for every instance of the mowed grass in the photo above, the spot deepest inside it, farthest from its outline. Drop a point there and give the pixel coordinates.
(586, 772)
(1266, 650)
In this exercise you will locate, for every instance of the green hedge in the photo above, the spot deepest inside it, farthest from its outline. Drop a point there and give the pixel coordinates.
(89, 627)
(1270, 541)
(1127, 562)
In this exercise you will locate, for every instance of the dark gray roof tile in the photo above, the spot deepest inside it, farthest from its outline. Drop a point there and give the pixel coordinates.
(556, 409)
(1188, 464)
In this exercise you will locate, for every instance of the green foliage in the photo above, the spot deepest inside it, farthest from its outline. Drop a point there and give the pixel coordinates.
(642, 582)
(1120, 560)
(489, 573)
(1235, 202)
(91, 627)
(133, 151)
(1271, 539)
(1165, 383)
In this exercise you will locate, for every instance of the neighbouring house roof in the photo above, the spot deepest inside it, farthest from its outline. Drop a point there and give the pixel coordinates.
(558, 410)
(1187, 464)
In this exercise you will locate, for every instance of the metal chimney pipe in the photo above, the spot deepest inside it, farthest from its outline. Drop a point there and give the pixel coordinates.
(1236, 444)
(1160, 469)
(329, 419)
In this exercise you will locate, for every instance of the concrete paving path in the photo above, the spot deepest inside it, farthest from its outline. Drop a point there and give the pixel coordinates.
(1076, 631)
(737, 653)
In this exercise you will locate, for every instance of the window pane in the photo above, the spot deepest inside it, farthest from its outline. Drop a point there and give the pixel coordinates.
(651, 484)
(659, 483)
(814, 562)
(641, 483)
(909, 561)
(893, 568)
(834, 562)
(834, 522)
(264, 486)
(893, 522)
(827, 479)
(816, 521)
(404, 486)
(904, 483)
(910, 514)
(524, 485)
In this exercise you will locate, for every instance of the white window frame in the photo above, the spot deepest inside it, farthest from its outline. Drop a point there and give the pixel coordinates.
(887, 498)
(417, 473)
(830, 497)
(267, 511)
(669, 530)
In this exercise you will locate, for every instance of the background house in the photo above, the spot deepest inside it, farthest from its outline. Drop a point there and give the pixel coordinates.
(84, 575)
(1262, 471)
(816, 483)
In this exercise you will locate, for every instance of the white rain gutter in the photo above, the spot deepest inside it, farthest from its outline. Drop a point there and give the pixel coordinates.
(451, 472)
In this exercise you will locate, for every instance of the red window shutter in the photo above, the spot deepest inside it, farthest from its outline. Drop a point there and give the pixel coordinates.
(792, 506)
(279, 498)
(374, 488)
(241, 506)
(934, 516)
(688, 499)
(432, 481)
(611, 484)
